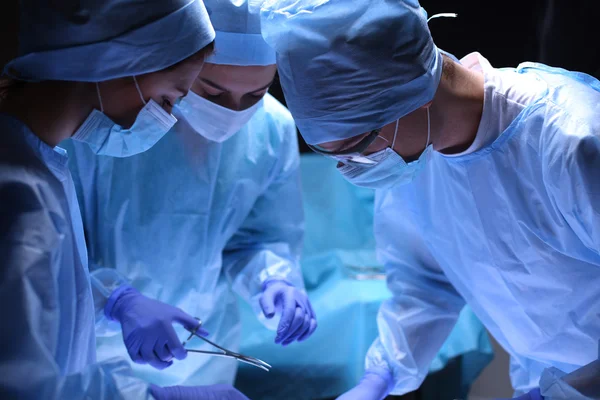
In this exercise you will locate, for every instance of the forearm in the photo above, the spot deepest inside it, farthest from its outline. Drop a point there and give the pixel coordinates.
(105, 282)
(410, 336)
(248, 270)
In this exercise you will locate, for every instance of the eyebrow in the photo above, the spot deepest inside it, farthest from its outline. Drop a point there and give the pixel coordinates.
(221, 88)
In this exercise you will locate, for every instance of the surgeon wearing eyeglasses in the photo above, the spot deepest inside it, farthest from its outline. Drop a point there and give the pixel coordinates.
(486, 179)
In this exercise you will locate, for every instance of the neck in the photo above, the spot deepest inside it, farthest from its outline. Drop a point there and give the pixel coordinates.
(52, 110)
(456, 110)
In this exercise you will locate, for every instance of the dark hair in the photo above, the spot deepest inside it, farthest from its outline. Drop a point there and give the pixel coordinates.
(448, 68)
(209, 49)
(8, 85)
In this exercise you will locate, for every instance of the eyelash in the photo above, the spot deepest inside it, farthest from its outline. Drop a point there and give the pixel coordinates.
(216, 96)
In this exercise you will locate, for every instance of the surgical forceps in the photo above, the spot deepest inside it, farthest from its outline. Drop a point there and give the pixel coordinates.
(224, 352)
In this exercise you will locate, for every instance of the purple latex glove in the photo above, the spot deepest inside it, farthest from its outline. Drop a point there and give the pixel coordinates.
(147, 326)
(533, 395)
(375, 385)
(214, 392)
(298, 320)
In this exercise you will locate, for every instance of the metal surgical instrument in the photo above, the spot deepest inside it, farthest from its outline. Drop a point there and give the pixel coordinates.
(224, 352)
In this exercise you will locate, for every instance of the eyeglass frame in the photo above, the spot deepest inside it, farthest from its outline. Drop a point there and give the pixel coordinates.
(354, 153)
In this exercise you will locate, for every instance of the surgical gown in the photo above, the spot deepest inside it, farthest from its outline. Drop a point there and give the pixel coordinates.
(513, 229)
(192, 222)
(47, 332)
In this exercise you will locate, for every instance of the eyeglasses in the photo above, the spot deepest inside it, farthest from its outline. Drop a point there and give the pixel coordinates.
(352, 154)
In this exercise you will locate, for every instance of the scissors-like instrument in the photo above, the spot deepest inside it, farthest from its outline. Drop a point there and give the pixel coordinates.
(224, 352)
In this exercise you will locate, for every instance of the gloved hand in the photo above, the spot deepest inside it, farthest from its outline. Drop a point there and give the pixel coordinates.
(147, 326)
(533, 395)
(375, 385)
(298, 320)
(214, 392)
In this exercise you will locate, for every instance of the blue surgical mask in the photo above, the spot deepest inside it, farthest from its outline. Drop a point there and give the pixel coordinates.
(107, 138)
(389, 169)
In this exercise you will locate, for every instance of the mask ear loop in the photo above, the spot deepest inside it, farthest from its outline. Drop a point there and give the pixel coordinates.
(202, 66)
(442, 15)
(395, 133)
(428, 128)
(137, 86)
(99, 97)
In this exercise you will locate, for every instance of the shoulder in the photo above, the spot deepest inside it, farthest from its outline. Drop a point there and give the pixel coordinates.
(30, 224)
(19, 165)
(564, 124)
(571, 120)
(277, 115)
(31, 238)
(572, 99)
(570, 143)
(32, 199)
(272, 130)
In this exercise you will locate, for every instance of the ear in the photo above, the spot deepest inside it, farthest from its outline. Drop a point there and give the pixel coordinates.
(427, 105)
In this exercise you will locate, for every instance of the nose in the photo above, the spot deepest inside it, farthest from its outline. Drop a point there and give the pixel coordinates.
(232, 104)
(167, 107)
(182, 92)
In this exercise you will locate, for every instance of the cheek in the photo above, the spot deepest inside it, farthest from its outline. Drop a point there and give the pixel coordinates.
(226, 101)
(154, 86)
(188, 76)
(170, 86)
(375, 147)
(127, 115)
(122, 106)
(249, 102)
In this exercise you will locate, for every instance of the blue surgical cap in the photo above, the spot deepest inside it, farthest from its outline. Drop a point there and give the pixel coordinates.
(98, 40)
(350, 66)
(239, 40)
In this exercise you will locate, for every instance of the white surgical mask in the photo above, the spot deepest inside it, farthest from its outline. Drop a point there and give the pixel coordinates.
(107, 138)
(214, 122)
(389, 168)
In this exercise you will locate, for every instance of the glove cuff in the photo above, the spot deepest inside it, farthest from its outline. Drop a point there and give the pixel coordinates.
(109, 308)
(536, 394)
(271, 281)
(384, 374)
(157, 392)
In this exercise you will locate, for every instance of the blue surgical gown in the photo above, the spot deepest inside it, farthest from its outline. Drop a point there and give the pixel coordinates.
(513, 229)
(192, 222)
(47, 335)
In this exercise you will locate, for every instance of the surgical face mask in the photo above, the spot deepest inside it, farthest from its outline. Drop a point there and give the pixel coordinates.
(389, 169)
(107, 138)
(214, 122)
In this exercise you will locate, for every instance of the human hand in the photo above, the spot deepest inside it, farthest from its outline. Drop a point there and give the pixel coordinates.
(298, 320)
(147, 326)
